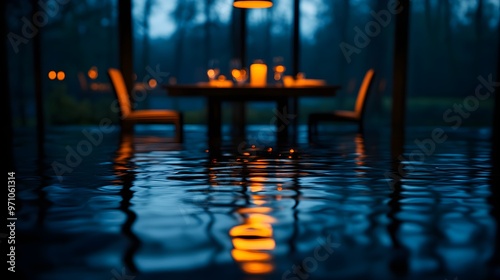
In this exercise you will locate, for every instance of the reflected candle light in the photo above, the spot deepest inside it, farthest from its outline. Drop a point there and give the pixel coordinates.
(258, 74)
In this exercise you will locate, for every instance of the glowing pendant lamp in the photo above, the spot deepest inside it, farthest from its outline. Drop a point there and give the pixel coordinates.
(252, 4)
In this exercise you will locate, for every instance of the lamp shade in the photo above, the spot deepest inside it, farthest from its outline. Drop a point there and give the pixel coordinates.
(249, 4)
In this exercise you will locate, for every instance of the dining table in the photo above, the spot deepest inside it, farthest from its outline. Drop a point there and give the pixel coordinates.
(285, 99)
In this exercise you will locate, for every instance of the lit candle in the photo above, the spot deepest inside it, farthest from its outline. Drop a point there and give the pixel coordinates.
(258, 74)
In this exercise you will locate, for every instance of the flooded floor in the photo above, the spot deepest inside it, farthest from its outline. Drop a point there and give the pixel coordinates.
(101, 206)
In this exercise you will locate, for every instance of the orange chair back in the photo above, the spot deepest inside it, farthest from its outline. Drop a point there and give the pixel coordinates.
(121, 91)
(363, 92)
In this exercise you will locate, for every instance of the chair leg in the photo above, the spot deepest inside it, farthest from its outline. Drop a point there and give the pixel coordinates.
(127, 128)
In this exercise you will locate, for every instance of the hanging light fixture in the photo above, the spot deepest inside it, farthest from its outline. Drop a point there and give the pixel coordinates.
(252, 4)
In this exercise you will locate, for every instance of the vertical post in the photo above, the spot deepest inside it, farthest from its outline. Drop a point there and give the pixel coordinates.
(242, 38)
(37, 72)
(400, 69)
(296, 38)
(5, 88)
(239, 34)
(295, 65)
(125, 41)
(399, 263)
(239, 109)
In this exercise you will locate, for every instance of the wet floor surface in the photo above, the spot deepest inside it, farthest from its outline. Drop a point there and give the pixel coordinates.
(101, 206)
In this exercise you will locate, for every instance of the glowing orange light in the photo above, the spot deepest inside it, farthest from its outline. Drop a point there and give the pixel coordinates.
(92, 73)
(52, 75)
(253, 239)
(260, 230)
(279, 68)
(258, 179)
(257, 218)
(257, 201)
(252, 4)
(61, 75)
(258, 74)
(257, 267)
(211, 73)
(261, 210)
(292, 151)
(254, 244)
(245, 256)
(256, 187)
(236, 73)
(152, 83)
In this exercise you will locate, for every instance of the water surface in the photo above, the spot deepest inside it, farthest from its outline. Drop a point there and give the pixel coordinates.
(142, 207)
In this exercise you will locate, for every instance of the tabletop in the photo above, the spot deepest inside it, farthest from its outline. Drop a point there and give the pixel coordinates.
(250, 92)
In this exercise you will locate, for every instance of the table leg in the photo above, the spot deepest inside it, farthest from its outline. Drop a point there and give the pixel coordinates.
(214, 123)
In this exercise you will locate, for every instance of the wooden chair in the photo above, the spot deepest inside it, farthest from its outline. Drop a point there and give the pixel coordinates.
(355, 116)
(129, 117)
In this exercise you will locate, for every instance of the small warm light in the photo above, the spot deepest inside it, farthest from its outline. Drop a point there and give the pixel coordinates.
(236, 73)
(52, 75)
(292, 151)
(239, 75)
(211, 73)
(252, 4)
(258, 74)
(92, 73)
(279, 68)
(61, 75)
(152, 83)
(269, 150)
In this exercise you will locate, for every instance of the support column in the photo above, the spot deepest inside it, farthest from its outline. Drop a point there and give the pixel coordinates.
(125, 37)
(37, 72)
(400, 70)
(239, 108)
(5, 88)
(294, 106)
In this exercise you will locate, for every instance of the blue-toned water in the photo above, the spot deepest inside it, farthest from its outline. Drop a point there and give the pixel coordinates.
(142, 207)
